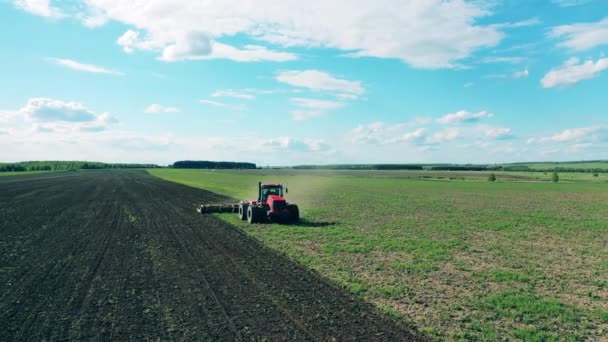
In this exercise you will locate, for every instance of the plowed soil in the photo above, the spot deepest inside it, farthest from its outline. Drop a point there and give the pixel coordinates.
(123, 255)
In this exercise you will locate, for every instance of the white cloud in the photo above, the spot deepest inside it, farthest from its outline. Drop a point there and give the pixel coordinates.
(312, 107)
(156, 108)
(315, 103)
(301, 115)
(130, 41)
(74, 65)
(426, 34)
(570, 3)
(49, 115)
(196, 45)
(409, 136)
(498, 132)
(582, 36)
(249, 53)
(346, 96)
(571, 72)
(222, 105)
(381, 133)
(469, 84)
(44, 109)
(445, 135)
(463, 116)
(514, 76)
(511, 60)
(213, 103)
(41, 8)
(575, 134)
(190, 46)
(319, 80)
(232, 93)
(296, 145)
(520, 74)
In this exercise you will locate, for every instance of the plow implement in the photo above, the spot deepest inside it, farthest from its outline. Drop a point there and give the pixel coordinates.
(218, 208)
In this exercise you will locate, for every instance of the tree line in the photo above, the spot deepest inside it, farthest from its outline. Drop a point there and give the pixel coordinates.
(68, 165)
(359, 167)
(206, 164)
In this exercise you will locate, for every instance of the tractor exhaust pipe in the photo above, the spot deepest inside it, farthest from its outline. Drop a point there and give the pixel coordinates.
(259, 191)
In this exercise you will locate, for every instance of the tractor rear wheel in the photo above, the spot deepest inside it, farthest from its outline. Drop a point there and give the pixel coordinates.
(294, 213)
(252, 214)
(243, 211)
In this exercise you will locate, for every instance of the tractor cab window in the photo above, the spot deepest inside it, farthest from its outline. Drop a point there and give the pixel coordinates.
(270, 191)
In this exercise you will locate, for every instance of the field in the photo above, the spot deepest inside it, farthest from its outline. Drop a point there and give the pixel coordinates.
(448, 252)
(568, 165)
(121, 255)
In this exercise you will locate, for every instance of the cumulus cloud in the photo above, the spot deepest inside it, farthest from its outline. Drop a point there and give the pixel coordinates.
(426, 34)
(498, 133)
(571, 72)
(463, 116)
(582, 36)
(50, 115)
(41, 8)
(44, 109)
(196, 45)
(319, 80)
(157, 108)
(381, 133)
(296, 145)
(232, 93)
(74, 65)
(445, 135)
(190, 46)
(310, 108)
(129, 41)
(578, 134)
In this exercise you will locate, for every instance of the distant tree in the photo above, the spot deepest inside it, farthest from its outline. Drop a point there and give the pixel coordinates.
(492, 177)
(595, 174)
(555, 177)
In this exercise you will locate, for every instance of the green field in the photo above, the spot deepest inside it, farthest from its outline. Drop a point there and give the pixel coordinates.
(567, 165)
(521, 258)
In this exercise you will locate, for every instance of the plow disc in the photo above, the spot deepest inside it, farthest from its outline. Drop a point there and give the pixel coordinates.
(218, 208)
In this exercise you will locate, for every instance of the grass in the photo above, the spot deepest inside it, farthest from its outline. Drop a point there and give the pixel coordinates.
(461, 258)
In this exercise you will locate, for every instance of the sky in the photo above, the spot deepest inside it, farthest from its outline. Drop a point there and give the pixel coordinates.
(288, 82)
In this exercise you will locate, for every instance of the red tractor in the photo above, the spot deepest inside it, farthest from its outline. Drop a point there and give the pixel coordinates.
(270, 206)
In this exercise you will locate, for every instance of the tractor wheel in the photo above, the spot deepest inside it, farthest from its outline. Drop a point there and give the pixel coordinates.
(252, 214)
(243, 211)
(294, 213)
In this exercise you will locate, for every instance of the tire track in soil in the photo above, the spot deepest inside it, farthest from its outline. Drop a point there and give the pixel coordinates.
(124, 256)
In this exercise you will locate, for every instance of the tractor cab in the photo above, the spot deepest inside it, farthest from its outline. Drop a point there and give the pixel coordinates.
(265, 190)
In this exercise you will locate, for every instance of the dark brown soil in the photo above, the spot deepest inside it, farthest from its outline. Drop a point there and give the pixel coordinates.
(123, 255)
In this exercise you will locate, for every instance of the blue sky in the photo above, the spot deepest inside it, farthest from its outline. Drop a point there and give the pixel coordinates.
(291, 82)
